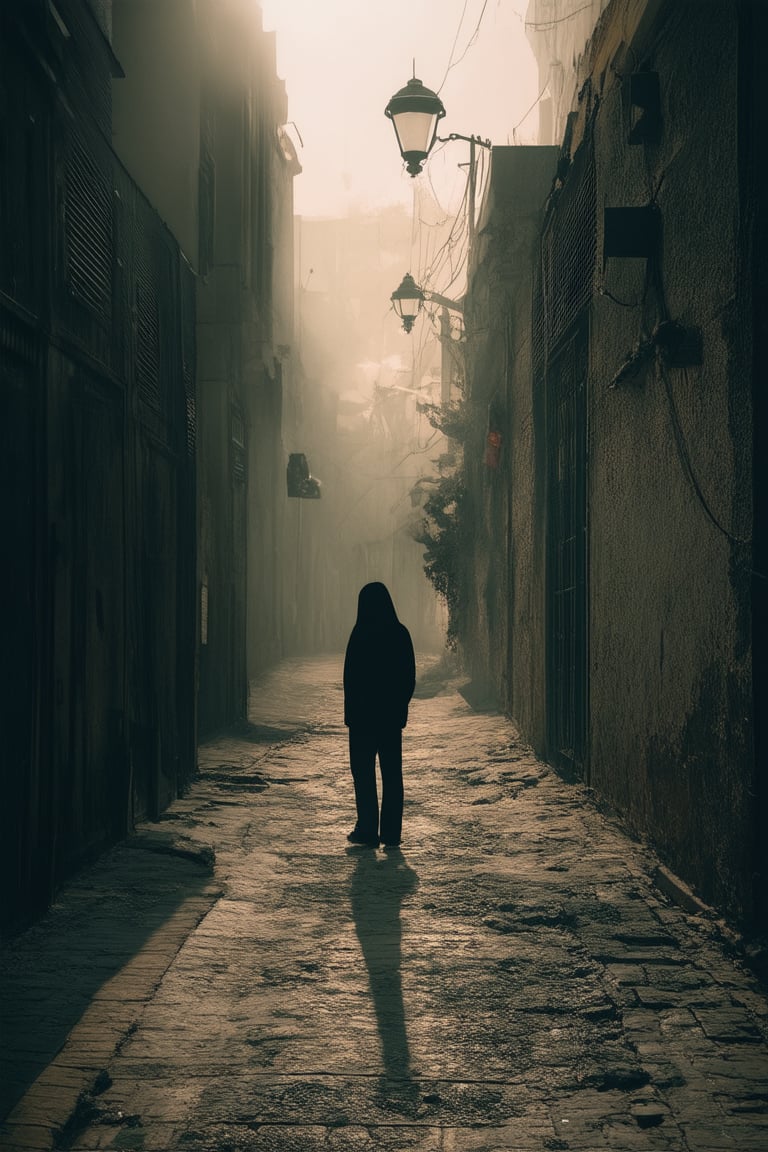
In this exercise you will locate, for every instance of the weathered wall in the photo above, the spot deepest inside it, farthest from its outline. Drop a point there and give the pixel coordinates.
(213, 158)
(527, 472)
(504, 617)
(96, 433)
(155, 108)
(753, 127)
(635, 487)
(670, 687)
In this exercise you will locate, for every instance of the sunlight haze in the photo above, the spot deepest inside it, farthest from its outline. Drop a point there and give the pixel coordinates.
(343, 60)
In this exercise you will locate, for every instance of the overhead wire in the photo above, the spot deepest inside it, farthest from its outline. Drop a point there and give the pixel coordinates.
(472, 40)
(437, 201)
(545, 24)
(455, 42)
(536, 101)
(447, 260)
(451, 257)
(445, 251)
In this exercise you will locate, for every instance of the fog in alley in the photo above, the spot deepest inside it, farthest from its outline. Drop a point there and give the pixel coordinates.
(465, 298)
(362, 223)
(343, 60)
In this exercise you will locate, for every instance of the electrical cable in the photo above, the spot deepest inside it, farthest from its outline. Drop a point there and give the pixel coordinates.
(437, 201)
(458, 220)
(455, 42)
(685, 460)
(470, 43)
(603, 291)
(679, 436)
(545, 24)
(536, 101)
(445, 251)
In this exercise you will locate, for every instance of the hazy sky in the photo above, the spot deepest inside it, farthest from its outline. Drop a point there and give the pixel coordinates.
(343, 59)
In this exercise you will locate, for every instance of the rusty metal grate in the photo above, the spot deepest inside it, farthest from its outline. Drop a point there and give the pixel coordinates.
(562, 289)
(188, 353)
(88, 229)
(567, 674)
(147, 333)
(566, 275)
(237, 438)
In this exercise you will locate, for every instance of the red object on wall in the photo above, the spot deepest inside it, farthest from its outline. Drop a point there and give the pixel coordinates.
(493, 449)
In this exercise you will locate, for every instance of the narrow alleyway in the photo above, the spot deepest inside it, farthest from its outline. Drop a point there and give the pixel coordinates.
(511, 980)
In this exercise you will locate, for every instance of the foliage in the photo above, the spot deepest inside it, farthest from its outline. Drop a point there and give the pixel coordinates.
(440, 531)
(441, 528)
(450, 419)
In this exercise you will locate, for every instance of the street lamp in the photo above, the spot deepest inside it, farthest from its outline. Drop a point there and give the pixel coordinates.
(407, 300)
(415, 112)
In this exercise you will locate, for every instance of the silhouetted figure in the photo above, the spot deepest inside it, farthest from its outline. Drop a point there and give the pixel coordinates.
(379, 678)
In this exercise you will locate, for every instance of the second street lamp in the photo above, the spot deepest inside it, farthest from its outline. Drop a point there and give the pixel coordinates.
(407, 299)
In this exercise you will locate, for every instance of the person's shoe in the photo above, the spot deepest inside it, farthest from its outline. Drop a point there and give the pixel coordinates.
(355, 837)
(391, 844)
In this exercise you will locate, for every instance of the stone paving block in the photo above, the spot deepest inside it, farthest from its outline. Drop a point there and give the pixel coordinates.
(25, 1138)
(727, 1024)
(625, 1135)
(651, 996)
(627, 974)
(688, 980)
(511, 969)
(722, 1139)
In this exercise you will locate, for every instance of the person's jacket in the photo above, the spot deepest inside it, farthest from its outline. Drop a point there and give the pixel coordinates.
(379, 665)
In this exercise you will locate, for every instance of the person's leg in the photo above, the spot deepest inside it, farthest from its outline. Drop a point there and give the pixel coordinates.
(362, 761)
(391, 763)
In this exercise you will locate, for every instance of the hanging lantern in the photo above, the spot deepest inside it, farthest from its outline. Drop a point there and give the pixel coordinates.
(493, 450)
(301, 485)
(407, 300)
(415, 112)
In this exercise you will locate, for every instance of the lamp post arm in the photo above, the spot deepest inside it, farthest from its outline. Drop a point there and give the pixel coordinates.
(455, 305)
(469, 139)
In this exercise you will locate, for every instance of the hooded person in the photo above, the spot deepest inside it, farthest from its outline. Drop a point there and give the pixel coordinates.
(379, 679)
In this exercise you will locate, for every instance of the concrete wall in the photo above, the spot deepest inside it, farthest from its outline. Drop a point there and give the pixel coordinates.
(670, 665)
(503, 639)
(670, 481)
(156, 107)
(558, 33)
(198, 121)
(98, 464)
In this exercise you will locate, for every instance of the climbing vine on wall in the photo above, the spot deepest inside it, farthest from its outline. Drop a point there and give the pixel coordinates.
(441, 527)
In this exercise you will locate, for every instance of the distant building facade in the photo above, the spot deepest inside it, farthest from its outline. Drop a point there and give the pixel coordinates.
(199, 121)
(622, 528)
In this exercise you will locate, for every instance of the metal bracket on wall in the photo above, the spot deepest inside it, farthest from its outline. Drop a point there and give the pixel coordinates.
(631, 232)
(644, 108)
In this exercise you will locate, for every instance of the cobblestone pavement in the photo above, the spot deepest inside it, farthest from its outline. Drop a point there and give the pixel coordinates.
(511, 980)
